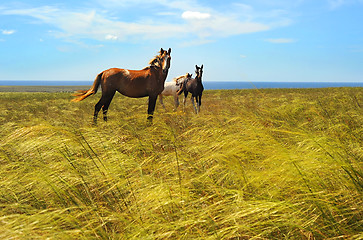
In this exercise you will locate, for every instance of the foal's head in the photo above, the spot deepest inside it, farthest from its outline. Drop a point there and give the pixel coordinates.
(180, 80)
(199, 71)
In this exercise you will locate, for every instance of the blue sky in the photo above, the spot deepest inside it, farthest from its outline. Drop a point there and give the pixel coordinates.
(259, 40)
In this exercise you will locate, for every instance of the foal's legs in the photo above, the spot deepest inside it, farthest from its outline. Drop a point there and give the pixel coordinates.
(151, 107)
(196, 99)
(161, 100)
(176, 101)
(185, 99)
(199, 101)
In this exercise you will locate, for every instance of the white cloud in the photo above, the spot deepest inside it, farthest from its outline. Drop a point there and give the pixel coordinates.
(111, 37)
(280, 40)
(189, 15)
(195, 42)
(335, 4)
(8, 32)
(183, 5)
(42, 13)
(174, 20)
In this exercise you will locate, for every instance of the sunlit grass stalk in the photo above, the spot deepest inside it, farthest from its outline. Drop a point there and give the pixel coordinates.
(266, 164)
(326, 214)
(87, 148)
(68, 156)
(177, 163)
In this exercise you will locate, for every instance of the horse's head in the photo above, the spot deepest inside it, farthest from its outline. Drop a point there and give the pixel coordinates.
(162, 60)
(199, 71)
(165, 59)
(180, 80)
(188, 77)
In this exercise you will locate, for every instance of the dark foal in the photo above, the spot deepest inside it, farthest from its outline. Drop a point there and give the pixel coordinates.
(131, 83)
(195, 87)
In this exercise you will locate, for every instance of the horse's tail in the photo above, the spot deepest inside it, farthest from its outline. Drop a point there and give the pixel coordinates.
(181, 90)
(82, 94)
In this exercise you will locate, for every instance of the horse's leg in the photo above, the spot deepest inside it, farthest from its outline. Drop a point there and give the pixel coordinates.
(199, 102)
(176, 101)
(151, 107)
(185, 99)
(192, 99)
(107, 104)
(161, 101)
(98, 107)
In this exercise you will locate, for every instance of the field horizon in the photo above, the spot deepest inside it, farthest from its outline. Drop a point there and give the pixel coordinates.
(254, 164)
(69, 86)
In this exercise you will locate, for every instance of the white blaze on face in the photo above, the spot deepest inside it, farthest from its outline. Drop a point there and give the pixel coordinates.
(165, 63)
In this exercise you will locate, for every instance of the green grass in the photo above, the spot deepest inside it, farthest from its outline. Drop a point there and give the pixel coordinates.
(41, 88)
(254, 164)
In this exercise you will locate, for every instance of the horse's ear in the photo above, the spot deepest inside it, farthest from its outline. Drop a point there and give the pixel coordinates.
(196, 66)
(169, 51)
(201, 66)
(161, 50)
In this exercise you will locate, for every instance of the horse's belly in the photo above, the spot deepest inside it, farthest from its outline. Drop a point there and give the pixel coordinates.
(133, 93)
(168, 92)
(133, 83)
(169, 89)
(133, 88)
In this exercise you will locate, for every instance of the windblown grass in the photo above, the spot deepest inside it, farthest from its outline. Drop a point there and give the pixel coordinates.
(254, 164)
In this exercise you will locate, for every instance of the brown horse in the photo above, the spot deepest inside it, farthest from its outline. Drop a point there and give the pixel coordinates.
(131, 83)
(195, 87)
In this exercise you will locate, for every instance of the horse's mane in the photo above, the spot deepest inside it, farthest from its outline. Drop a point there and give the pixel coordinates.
(155, 62)
(180, 77)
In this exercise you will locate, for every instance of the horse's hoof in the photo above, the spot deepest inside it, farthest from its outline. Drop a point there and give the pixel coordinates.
(150, 119)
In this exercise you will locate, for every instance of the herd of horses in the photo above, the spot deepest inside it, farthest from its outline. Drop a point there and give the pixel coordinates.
(147, 82)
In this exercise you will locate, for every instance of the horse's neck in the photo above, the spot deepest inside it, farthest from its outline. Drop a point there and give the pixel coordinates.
(164, 75)
(179, 80)
(160, 75)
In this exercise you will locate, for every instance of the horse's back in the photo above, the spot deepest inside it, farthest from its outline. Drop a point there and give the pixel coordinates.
(194, 87)
(131, 83)
(170, 88)
(126, 74)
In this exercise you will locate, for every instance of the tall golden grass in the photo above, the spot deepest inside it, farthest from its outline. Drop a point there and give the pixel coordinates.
(254, 164)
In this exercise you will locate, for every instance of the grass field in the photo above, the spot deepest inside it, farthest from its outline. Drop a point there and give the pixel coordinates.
(254, 164)
(49, 89)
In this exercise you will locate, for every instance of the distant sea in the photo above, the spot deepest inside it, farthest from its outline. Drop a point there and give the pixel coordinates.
(207, 85)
